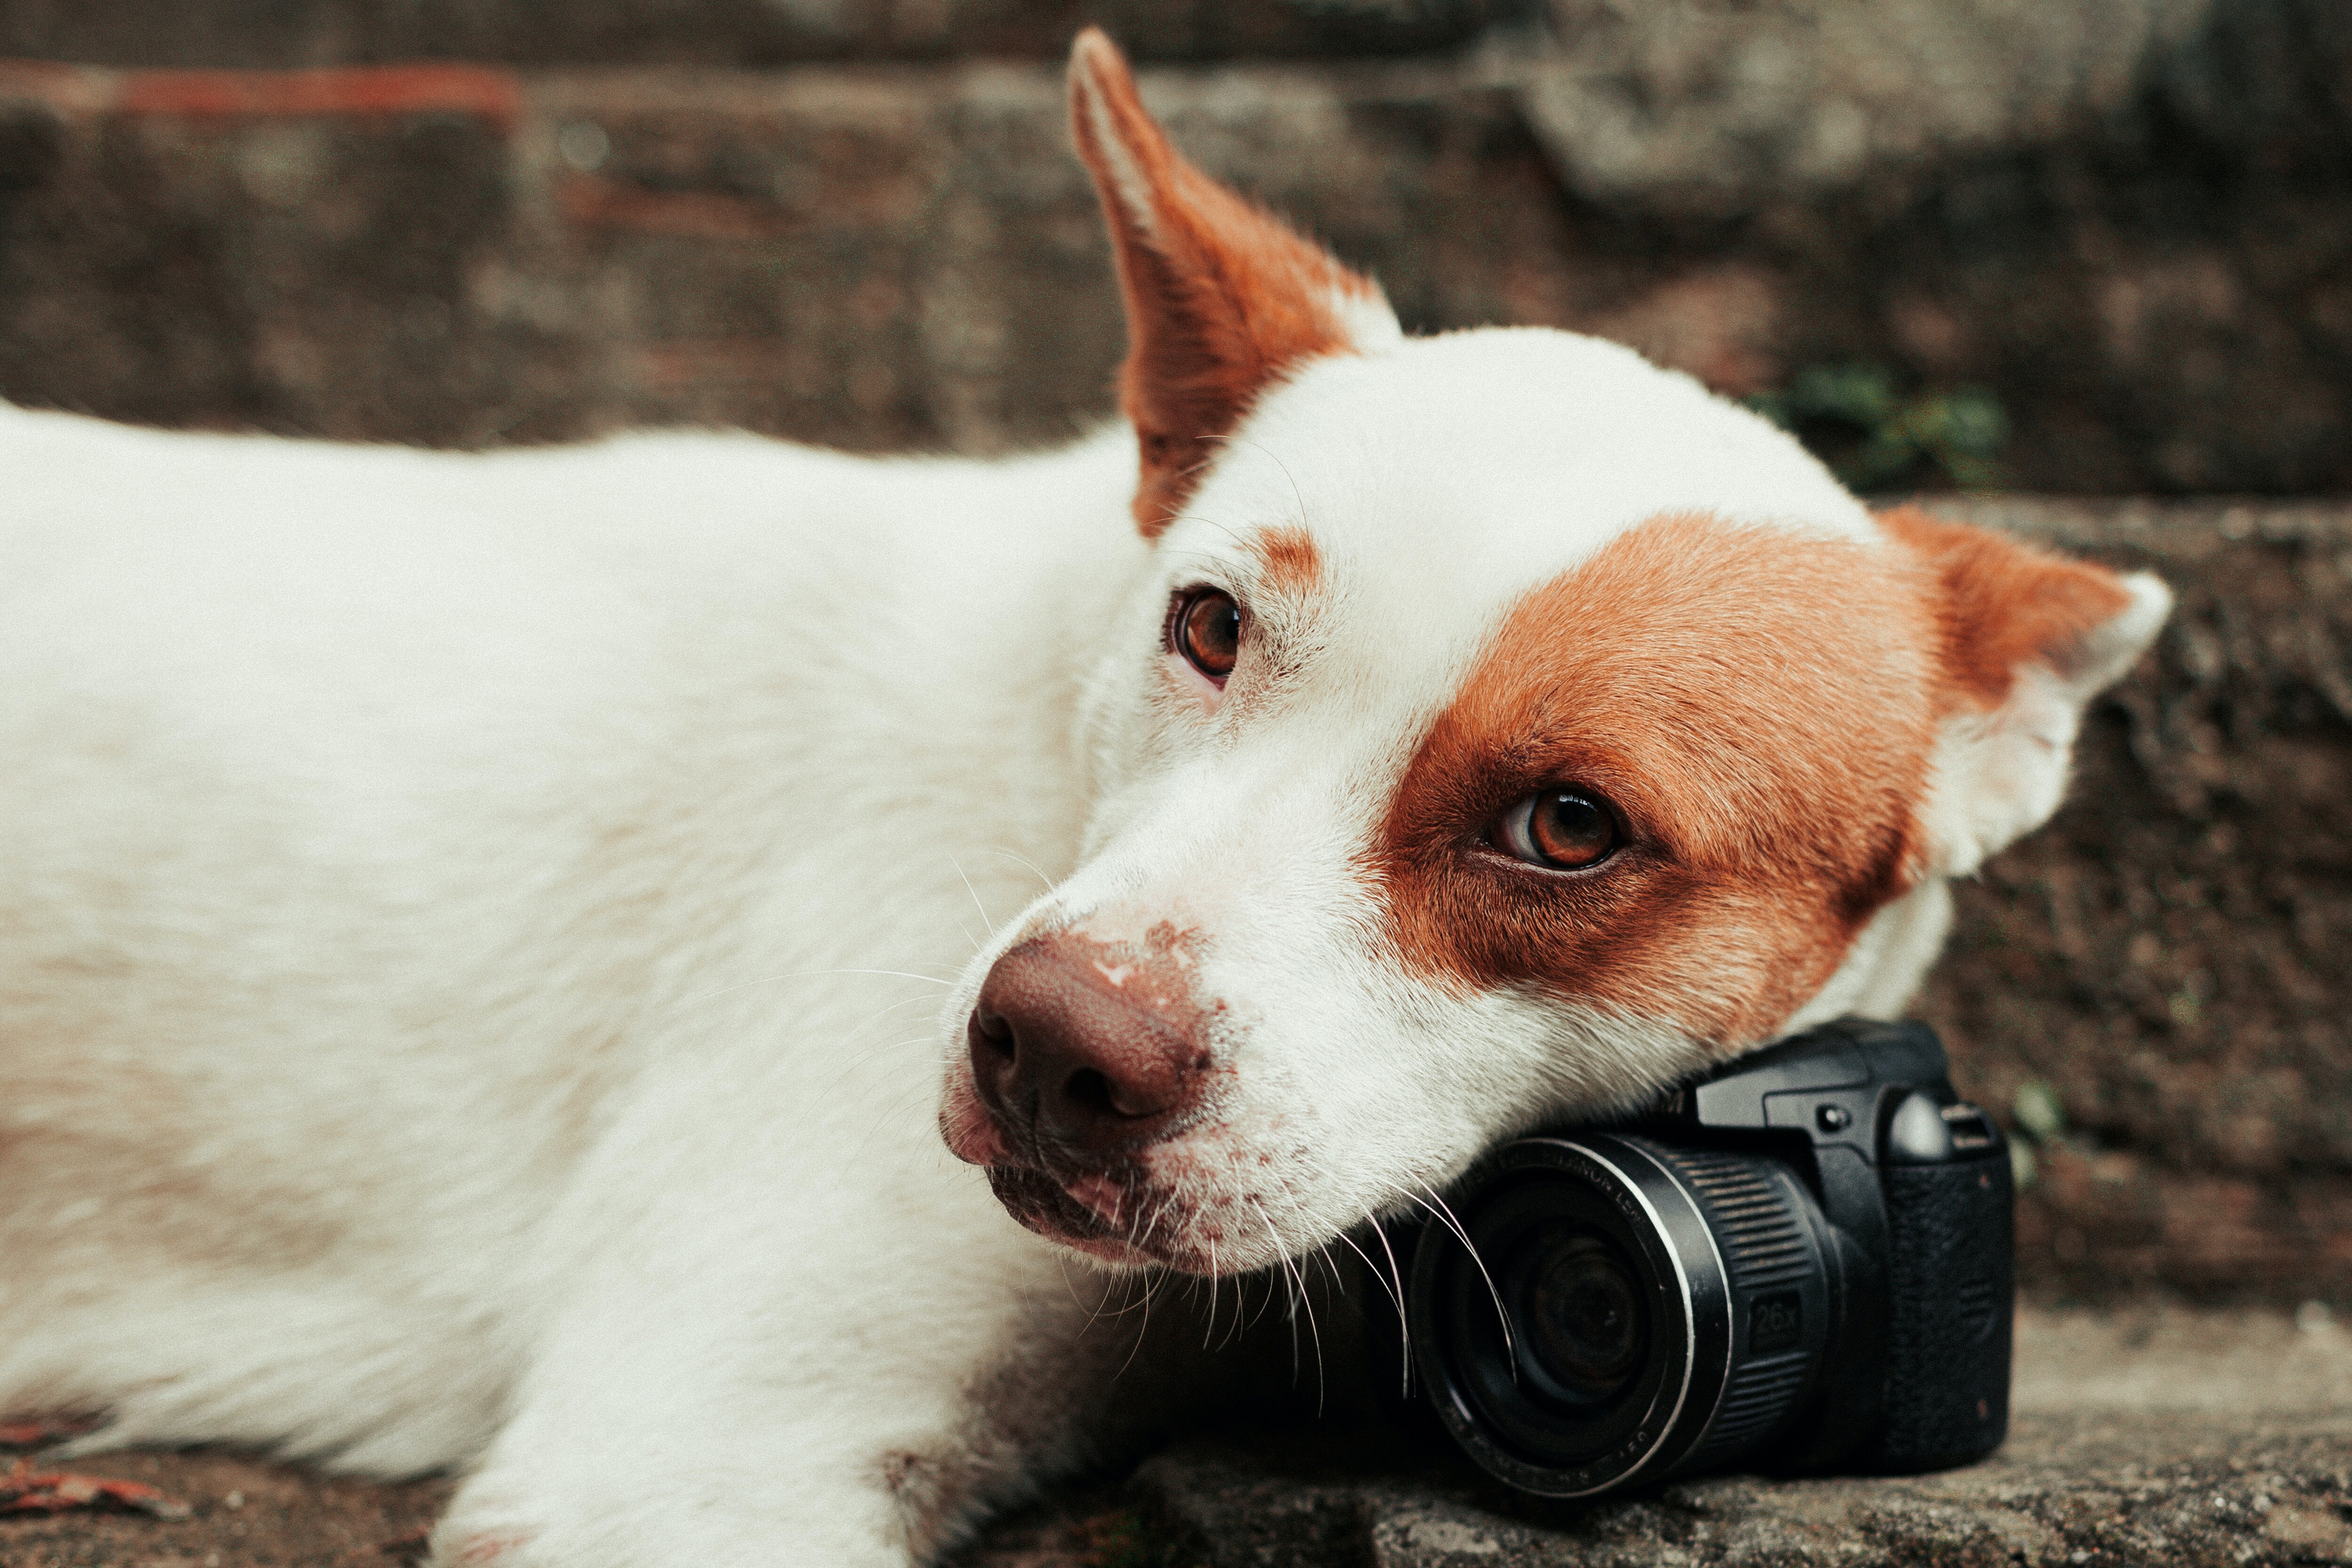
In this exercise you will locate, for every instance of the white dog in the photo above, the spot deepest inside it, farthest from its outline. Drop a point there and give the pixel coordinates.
(477, 933)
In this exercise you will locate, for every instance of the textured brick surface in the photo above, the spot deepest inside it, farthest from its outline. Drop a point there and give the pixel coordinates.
(873, 259)
(2139, 249)
(296, 33)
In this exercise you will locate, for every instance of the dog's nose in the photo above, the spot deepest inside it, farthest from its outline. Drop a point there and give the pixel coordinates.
(1082, 1051)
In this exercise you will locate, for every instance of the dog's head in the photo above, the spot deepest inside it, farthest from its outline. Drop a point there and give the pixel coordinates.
(1504, 726)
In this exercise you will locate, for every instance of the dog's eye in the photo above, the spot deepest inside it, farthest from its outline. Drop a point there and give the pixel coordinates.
(1563, 829)
(1206, 628)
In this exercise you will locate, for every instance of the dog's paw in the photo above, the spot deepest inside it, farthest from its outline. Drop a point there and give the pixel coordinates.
(477, 1548)
(663, 1517)
(486, 1524)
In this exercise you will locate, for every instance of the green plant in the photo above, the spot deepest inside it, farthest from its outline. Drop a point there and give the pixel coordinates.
(2037, 1117)
(1874, 438)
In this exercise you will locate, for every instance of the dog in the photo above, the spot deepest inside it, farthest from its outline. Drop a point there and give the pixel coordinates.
(480, 933)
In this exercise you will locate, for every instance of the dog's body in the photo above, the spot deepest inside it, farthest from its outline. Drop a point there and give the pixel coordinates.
(364, 853)
(477, 930)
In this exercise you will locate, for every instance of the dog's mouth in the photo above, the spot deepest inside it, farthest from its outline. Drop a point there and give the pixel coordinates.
(1096, 1225)
(1145, 1209)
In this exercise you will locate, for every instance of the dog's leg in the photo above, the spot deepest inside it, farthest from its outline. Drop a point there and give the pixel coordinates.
(761, 1363)
(710, 1425)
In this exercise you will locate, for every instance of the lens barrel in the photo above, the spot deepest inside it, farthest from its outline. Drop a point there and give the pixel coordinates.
(1623, 1309)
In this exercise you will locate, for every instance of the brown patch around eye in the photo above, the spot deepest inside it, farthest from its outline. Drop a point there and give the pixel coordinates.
(1760, 708)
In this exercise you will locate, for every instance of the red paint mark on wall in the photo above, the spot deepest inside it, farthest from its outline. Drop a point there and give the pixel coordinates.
(369, 91)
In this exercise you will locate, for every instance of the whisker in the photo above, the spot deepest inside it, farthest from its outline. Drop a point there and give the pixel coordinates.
(900, 1106)
(1030, 865)
(1301, 1297)
(1062, 1264)
(1403, 1331)
(1167, 1202)
(968, 887)
(1207, 522)
(1213, 1297)
(1242, 1325)
(1321, 1257)
(1404, 1326)
(1277, 462)
(1131, 1306)
(857, 1061)
(1143, 1330)
(1282, 1252)
(1454, 1224)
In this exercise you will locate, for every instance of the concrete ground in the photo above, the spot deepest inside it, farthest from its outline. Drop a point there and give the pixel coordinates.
(2159, 1436)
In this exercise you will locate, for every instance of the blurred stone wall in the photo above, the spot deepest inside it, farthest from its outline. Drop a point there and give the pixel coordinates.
(469, 222)
(859, 223)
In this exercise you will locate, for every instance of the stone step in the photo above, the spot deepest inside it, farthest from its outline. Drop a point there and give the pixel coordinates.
(2165, 971)
(2075, 1490)
(2154, 1438)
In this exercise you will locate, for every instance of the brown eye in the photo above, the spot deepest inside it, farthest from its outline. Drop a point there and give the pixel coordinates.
(1207, 631)
(1563, 829)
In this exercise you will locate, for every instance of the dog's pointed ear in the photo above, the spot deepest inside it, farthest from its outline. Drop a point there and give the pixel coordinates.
(2027, 638)
(1221, 298)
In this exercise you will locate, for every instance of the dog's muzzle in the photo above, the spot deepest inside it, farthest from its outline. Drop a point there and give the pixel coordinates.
(1085, 1054)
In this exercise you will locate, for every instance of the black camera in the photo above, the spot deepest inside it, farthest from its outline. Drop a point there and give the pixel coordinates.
(1803, 1262)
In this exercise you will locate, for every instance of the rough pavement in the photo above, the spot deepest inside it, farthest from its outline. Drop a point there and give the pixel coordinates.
(2154, 1437)
(2075, 1489)
(2145, 1438)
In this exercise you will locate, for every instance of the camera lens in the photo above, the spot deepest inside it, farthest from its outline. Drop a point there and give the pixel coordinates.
(1587, 1324)
(1614, 1310)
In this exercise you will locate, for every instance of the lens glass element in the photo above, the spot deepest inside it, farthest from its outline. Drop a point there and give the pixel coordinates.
(1652, 1308)
(1586, 1321)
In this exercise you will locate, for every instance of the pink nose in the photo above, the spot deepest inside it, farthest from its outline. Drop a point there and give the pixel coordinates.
(1081, 1053)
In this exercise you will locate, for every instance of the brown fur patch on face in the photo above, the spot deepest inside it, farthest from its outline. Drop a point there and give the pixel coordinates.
(1221, 298)
(1759, 709)
(1287, 561)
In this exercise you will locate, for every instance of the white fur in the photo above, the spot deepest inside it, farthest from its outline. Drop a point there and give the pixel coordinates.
(480, 932)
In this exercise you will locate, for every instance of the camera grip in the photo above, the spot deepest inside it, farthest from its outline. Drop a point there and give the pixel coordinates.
(1951, 1294)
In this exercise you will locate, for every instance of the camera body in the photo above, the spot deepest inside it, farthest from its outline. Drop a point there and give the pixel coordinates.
(1803, 1262)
